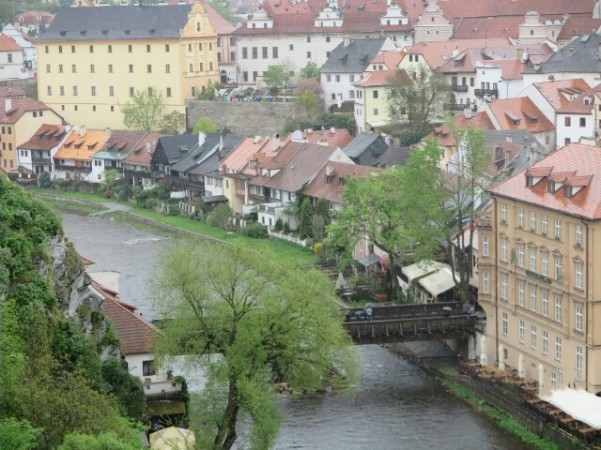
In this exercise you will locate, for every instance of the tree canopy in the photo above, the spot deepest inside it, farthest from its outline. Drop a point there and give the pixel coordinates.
(414, 103)
(310, 71)
(277, 76)
(145, 111)
(249, 321)
(204, 125)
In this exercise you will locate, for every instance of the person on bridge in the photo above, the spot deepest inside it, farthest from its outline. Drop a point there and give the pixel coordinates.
(369, 313)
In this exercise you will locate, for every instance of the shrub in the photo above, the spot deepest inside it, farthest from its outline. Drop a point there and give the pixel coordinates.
(255, 230)
(44, 180)
(279, 225)
(286, 227)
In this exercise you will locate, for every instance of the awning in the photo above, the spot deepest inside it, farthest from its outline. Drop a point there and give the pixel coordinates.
(173, 438)
(369, 260)
(213, 198)
(438, 282)
(422, 268)
(579, 404)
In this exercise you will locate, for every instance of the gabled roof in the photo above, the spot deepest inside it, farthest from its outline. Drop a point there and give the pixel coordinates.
(575, 26)
(18, 107)
(177, 146)
(33, 17)
(141, 153)
(330, 180)
(559, 93)
(366, 148)
(394, 156)
(8, 44)
(380, 77)
(582, 160)
(455, 9)
(80, 147)
(487, 27)
(205, 158)
(46, 137)
(438, 53)
(479, 120)
(110, 23)
(133, 331)
(11, 92)
(581, 104)
(239, 156)
(581, 55)
(306, 161)
(520, 113)
(222, 26)
(354, 57)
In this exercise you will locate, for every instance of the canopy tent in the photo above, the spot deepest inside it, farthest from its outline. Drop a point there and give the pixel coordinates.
(173, 438)
(579, 404)
(438, 282)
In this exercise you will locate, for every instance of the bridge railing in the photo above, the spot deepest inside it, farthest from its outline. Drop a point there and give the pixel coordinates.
(417, 309)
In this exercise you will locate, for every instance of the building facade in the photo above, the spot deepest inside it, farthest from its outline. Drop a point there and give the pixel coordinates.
(537, 271)
(91, 61)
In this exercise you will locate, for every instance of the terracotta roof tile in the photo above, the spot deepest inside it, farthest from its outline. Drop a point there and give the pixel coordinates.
(575, 162)
(222, 26)
(339, 138)
(520, 114)
(239, 157)
(332, 189)
(438, 53)
(455, 9)
(575, 26)
(559, 93)
(81, 148)
(141, 154)
(486, 27)
(46, 137)
(8, 44)
(18, 107)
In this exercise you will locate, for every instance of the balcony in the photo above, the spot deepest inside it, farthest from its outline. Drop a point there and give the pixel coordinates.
(492, 93)
(457, 107)
(460, 88)
(67, 167)
(40, 160)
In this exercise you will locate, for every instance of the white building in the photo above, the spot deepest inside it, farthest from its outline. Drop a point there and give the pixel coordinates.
(29, 54)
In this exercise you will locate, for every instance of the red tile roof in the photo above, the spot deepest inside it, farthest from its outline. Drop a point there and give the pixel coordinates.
(521, 110)
(18, 107)
(332, 190)
(133, 331)
(222, 26)
(486, 27)
(80, 147)
(8, 44)
(578, 26)
(11, 92)
(239, 157)
(479, 120)
(559, 93)
(46, 137)
(141, 154)
(339, 138)
(582, 104)
(33, 18)
(438, 53)
(455, 9)
(582, 160)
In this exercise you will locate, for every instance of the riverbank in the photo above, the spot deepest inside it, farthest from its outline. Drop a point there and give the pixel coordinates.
(501, 406)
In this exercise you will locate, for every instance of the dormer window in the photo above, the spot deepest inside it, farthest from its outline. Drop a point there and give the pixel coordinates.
(551, 186)
(567, 191)
(341, 181)
(529, 181)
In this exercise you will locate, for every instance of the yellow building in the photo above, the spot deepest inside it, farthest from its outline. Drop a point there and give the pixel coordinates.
(20, 118)
(539, 284)
(91, 61)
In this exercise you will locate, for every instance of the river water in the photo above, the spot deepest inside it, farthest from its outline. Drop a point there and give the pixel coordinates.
(397, 405)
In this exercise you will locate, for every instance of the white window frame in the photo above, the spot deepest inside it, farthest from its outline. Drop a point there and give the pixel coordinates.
(521, 293)
(503, 213)
(579, 235)
(578, 363)
(558, 348)
(485, 246)
(544, 303)
(504, 323)
(522, 331)
(557, 233)
(521, 255)
(544, 224)
(485, 283)
(545, 342)
(553, 381)
(558, 307)
(532, 298)
(578, 270)
(544, 263)
(532, 263)
(578, 316)
(532, 221)
(504, 245)
(521, 216)
(557, 267)
(504, 284)
(532, 336)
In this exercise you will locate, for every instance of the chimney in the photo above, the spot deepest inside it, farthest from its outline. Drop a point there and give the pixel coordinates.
(347, 41)
(82, 131)
(8, 104)
(275, 142)
(201, 139)
(107, 132)
(221, 142)
(508, 139)
(520, 54)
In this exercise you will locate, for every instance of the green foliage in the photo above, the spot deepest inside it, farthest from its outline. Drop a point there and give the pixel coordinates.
(223, 11)
(328, 120)
(220, 216)
(305, 218)
(277, 76)
(410, 137)
(7, 11)
(310, 71)
(126, 388)
(255, 230)
(44, 180)
(145, 112)
(269, 321)
(173, 123)
(103, 441)
(18, 434)
(204, 125)
(279, 225)
(108, 182)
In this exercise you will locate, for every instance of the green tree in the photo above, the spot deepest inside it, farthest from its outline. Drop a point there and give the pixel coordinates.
(308, 90)
(268, 322)
(18, 434)
(126, 388)
(415, 103)
(311, 70)
(103, 441)
(277, 76)
(173, 123)
(220, 216)
(204, 125)
(329, 120)
(145, 112)
(7, 11)
(387, 208)
(305, 219)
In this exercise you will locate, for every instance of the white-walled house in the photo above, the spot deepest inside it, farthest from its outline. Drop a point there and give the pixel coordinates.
(36, 155)
(12, 60)
(29, 53)
(576, 120)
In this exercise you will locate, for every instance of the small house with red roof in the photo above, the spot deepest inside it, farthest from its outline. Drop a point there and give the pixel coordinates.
(36, 155)
(12, 59)
(73, 159)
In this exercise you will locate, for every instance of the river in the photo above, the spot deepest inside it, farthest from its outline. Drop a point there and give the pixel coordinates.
(397, 405)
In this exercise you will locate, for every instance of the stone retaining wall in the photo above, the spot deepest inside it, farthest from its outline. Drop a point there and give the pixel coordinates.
(245, 118)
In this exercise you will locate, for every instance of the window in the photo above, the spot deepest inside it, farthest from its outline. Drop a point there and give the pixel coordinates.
(578, 363)
(553, 375)
(532, 336)
(75, 91)
(167, 48)
(544, 225)
(568, 121)
(110, 49)
(375, 94)
(274, 52)
(532, 221)
(337, 78)
(131, 68)
(579, 235)
(578, 317)
(91, 49)
(583, 122)
(265, 53)
(521, 217)
(94, 108)
(485, 283)
(110, 68)
(47, 68)
(62, 90)
(148, 368)
(533, 259)
(291, 47)
(375, 111)
(503, 213)
(60, 68)
(93, 91)
(147, 48)
(578, 270)
(46, 49)
(60, 48)
(244, 53)
(189, 47)
(308, 55)
(544, 262)
(255, 52)
(168, 92)
(557, 229)
(131, 92)
(112, 91)
(148, 68)
(73, 68)
(49, 90)
(558, 308)
(544, 303)
(167, 68)
(308, 38)
(245, 76)
(504, 286)
(522, 331)
(485, 249)
(504, 250)
(521, 293)
(191, 67)
(92, 68)
(504, 323)
(533, 298)
(557, 267)
(521, 254)
(545, 342)
(255, 75)
(558, 348)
